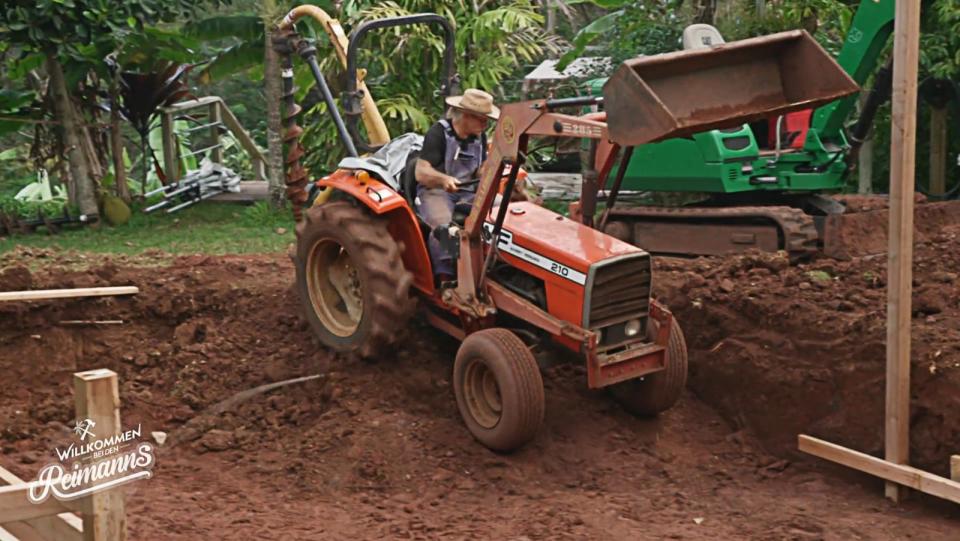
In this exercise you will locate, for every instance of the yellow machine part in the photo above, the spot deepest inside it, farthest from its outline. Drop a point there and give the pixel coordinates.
(372, 121)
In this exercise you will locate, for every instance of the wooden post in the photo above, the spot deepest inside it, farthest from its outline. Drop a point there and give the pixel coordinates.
(170, 165)
(938, 151)
(97, 397)
(903, 127)
(955, 468)
(216, 154)
(259, 164)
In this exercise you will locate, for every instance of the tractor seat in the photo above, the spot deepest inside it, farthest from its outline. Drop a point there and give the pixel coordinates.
(701, 36)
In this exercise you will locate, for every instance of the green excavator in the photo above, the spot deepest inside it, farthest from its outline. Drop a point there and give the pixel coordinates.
(765, 182)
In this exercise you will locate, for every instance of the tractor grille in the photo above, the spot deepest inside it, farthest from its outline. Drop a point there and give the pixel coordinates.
(618, 291)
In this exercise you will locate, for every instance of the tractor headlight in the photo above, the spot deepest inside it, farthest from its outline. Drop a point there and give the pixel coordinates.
(632, 328)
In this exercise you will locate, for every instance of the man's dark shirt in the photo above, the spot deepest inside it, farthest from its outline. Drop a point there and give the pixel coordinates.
(435, 146)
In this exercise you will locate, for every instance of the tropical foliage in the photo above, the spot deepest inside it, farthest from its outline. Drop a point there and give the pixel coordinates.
(494, 39)
(77, 43)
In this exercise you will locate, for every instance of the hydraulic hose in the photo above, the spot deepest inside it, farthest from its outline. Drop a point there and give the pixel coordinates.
(879, 94)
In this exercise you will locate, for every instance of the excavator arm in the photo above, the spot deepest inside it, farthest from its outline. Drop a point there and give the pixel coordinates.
(868, 35)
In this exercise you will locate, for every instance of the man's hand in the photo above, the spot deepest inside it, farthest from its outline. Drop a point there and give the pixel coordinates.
(431, 178)
(449, 184)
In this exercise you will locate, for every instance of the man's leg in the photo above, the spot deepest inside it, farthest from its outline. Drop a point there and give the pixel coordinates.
(436, 208)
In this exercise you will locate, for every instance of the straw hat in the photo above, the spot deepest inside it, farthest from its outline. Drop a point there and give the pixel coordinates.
(475, 101)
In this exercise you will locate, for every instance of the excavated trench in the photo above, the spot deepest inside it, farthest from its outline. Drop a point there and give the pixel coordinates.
(377, 449)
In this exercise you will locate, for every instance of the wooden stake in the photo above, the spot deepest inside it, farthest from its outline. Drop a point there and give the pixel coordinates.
(903, 127)
(938, 151)
(97, 397)
(216, 154)
(41, 294)
(170, 164)
(955, 468)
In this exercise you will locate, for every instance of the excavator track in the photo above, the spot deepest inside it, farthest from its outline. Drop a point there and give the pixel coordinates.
(715, 231)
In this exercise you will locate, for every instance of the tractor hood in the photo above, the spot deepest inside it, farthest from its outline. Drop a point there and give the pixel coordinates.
(553, 244)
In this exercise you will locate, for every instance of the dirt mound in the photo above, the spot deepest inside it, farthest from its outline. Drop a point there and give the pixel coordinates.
(780, 350)
(17, 278)
(862, 230)
(377, 449)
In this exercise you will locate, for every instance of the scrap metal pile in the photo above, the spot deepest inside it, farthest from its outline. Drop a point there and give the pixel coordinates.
(210, 180)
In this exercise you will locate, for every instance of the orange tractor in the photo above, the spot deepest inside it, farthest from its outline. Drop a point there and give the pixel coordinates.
(524, 274)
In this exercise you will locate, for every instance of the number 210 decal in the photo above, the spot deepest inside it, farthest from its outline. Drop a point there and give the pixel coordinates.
(507, 245)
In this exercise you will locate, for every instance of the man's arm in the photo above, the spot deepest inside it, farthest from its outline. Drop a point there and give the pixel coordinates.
(431, 178)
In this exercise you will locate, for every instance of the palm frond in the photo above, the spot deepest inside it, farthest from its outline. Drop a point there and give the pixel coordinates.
(405, 109)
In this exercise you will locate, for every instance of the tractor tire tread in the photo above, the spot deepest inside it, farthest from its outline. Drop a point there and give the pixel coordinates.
(519, 426)
(657, 392)
(386, 282)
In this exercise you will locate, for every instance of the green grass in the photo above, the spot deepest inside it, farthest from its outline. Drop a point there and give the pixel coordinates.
(210, 228)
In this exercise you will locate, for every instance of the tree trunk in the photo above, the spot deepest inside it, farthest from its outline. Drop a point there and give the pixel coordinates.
(86, 197)
(272, 91)
(865, 158)
(90, 151)
(938, 151)
(116, 142)
(551, 16)
(865, 167)
(706, 11)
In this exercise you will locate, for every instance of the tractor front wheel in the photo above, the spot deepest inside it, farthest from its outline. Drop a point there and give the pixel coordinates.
(351, 279)
(499, 389)
(657, 392)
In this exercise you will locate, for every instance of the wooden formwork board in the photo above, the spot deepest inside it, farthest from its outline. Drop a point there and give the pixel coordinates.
(45, 294)
(900, 474)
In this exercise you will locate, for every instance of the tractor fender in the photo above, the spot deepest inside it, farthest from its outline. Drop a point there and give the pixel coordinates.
(384, 201)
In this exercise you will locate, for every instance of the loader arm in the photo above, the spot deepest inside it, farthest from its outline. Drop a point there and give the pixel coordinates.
(517, 123)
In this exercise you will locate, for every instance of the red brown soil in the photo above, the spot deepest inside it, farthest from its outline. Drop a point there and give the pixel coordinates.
(377, 450)
(864, 225)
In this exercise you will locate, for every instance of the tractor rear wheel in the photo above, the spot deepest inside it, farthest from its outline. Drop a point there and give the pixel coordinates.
(351, 279)
(499, 389)
(657, 392)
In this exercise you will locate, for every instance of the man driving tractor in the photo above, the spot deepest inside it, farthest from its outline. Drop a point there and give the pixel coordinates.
(453, 150)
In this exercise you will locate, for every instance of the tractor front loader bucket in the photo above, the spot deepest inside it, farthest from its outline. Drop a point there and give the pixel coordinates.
(678, 94)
